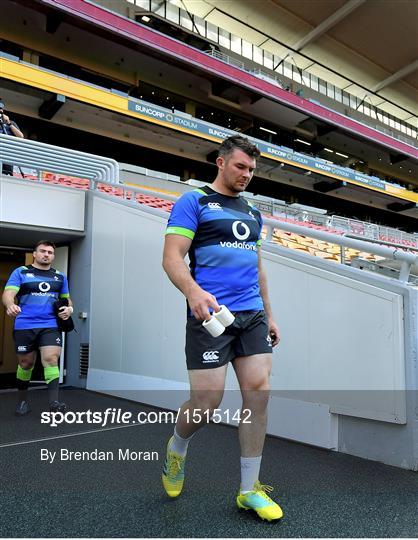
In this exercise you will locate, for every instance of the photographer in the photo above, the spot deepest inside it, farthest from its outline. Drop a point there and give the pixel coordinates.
(8, 128)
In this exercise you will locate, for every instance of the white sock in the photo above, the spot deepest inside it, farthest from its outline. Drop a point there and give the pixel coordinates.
(250, 469)
(179, 445)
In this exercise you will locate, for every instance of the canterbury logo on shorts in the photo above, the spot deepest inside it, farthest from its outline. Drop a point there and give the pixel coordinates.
(210, 356)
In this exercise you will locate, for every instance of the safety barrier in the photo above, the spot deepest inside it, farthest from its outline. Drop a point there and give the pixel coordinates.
(348, 226)
(374, 232)
(405, 258)
(48, 158)
(104, 171)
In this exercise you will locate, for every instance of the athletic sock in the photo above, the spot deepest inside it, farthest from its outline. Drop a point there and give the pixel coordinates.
(23, 377)
(179, 445)
(250, 469)
(52, 375)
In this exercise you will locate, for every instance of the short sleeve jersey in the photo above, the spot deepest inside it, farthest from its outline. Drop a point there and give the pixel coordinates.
(37, 290)
(225, 233)
(7, 129)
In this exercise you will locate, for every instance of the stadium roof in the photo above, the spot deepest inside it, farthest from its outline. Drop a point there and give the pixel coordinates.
(372, 42)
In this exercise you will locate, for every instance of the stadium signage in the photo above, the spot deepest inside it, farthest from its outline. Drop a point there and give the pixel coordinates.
(123, 104)
(321, 166)
(149, 111)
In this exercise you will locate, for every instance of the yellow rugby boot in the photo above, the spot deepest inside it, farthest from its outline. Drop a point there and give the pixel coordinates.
(173, 472)
(260, 502)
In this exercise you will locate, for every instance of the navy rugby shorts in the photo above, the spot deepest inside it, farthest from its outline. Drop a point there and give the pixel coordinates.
(32, 338)
(247, 335)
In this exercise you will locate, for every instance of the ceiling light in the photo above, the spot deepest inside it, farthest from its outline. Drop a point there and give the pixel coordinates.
(329, 150)
(268, 130)
(342, 155)
(145, 18)
(303, 142)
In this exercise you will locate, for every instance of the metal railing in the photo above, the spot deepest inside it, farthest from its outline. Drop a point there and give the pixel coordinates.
(373, 231)
(398, 129)
(348, 226)
(54, 159)
(43, 157)
(405, 258)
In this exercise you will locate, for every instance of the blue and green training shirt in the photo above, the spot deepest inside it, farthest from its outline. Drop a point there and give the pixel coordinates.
(37, 290)
(225, 233)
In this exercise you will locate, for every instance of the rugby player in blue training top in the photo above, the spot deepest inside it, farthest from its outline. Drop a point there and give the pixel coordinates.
(36, 287)
(221, 233)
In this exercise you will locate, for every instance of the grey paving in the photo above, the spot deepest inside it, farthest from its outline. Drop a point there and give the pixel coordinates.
(323, 494)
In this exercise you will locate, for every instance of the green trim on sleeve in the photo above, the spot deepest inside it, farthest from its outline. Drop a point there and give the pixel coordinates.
(11, 287)
(180, 231)
(200, 191)
(259, 242)
(65, 295)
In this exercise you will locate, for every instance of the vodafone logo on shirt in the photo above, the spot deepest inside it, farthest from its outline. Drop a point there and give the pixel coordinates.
(240, 230)
(44, 286)
(44, 289)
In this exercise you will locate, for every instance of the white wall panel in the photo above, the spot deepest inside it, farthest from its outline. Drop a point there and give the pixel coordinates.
(132, 297)
(107, 286)
(342, 340)
(41, 204)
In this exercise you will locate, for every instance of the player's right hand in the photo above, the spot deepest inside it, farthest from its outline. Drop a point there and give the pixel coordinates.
(200, 301)
(13, 310)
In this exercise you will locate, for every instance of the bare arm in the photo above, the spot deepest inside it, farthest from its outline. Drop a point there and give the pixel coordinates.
(175, 249)
(15, 130)
(262, 280)
(8, 299)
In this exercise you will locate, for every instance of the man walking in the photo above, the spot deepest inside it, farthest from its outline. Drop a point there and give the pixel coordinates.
(221, 233)
(36, 287)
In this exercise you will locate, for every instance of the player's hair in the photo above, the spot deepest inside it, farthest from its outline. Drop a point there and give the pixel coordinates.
(240, 143)
(43, 243)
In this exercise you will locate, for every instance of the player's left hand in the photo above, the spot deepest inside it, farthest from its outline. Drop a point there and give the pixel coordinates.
(274, 332)
(65, 312)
